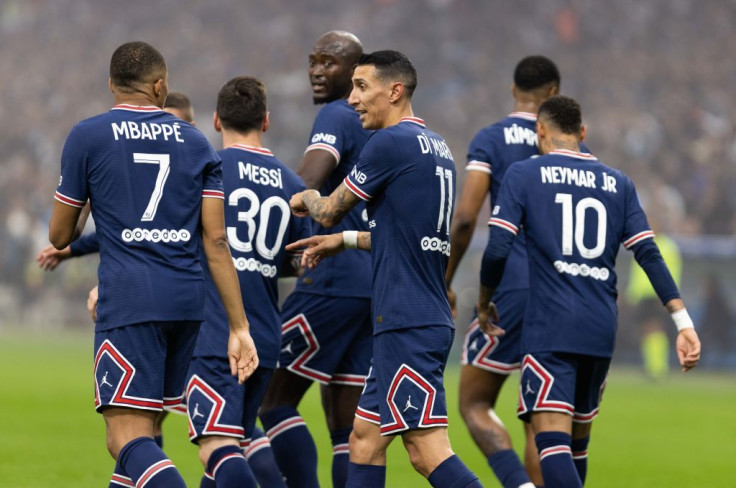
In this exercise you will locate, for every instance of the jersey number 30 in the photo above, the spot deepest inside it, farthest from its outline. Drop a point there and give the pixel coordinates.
(576, 225)
(248, 216)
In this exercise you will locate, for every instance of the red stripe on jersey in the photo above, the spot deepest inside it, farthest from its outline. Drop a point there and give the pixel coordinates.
(213, 194)
(121, 480)
(524, 115)
(574, 154)
(324, 147)
(550, 451)
(371, 417)
(137, 108)
(479, 166)
(259, 150)
(358, 192)
(415, 120)
(504, 224)
(72, 202)
(647, 234)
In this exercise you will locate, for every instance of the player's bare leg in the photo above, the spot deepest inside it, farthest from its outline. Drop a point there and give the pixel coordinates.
(580, 440)
(158, 433)
(339, 403)
(286, 429)
(479, 390)
(129, 436)
(222, 458)
(553, 436)
(531, 457)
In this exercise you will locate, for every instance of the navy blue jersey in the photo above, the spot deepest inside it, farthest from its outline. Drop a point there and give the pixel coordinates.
(575, 212)
(145, 173)
(259, 224)
(337, 129)
(492, 151)
(407, 175)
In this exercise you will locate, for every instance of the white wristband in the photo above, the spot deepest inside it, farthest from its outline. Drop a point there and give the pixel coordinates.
(350, 239)
(682, 320)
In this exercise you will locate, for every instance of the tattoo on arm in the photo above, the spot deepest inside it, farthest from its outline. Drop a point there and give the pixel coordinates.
(330, 210)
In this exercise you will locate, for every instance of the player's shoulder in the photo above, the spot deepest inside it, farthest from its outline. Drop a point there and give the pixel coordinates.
(337, 109)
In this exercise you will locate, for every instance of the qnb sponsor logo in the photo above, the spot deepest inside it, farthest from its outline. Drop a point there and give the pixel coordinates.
(583, 270)
(250, 264)
(435, 244)
(155, 235)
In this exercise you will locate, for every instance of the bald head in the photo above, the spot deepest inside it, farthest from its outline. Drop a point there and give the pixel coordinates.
(331, 63)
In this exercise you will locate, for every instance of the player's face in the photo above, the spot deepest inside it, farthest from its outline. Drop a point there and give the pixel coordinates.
(177, 112)
(329, 74)
(370, 98)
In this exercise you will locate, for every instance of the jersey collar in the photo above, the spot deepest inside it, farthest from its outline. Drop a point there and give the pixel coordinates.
(253, 149)
(137, 108)
(414, 120)
(574, 154)
(524, 115)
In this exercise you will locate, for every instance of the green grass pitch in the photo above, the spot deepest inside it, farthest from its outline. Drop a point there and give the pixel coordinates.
(679, 433)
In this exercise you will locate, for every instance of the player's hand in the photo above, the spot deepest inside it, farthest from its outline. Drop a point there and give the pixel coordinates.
(298, 207)
(92, 304)
(318, 247)
(452, 298)
(488, 318)
(688, 348)
(241, 351)
(49, 257)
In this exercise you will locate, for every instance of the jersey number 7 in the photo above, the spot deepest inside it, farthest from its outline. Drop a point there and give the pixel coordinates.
(164, 168)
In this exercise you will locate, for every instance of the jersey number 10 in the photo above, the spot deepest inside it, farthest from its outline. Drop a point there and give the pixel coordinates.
(576, 226)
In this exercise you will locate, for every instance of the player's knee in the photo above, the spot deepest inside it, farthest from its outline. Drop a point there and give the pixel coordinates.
(363, 448)
(416, 457)
(114, 445)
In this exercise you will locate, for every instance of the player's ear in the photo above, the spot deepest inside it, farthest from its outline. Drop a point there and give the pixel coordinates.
(216, 122)
(554, 89)
(397, 91)
(266, 123)
(109, 84)
(514, 90)
(583, 132)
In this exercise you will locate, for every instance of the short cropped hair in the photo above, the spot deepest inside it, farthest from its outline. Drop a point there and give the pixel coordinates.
(241, 104)
(181, 102)
(534, 72)
(392, 66)
(136, 62)
(563, 112)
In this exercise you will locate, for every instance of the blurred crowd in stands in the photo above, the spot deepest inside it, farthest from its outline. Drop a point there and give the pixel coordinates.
(656, 81)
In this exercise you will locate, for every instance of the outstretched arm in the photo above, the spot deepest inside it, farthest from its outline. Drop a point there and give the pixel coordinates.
(321, 246)
(327, 211)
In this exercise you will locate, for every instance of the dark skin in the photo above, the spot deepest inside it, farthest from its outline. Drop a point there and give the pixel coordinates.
(331, 63)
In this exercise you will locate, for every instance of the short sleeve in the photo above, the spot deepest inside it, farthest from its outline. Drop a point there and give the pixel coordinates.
(73, 189)
(374, 168)
(328, 133)
(636, 227)
(212, 187)
(508, 213)
(478, 157)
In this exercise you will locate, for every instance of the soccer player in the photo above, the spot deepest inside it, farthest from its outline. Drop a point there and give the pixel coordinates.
(407, 175)
(327, 334)
(575, 213)
(222, 412)
(49, 257)
(151, 293)
(488, 361)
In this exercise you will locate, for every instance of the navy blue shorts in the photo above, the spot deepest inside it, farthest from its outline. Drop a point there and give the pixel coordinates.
(562, 382)
(143, 366)
(404, 389)
(501, 354)
(217, 404)
(327, 339)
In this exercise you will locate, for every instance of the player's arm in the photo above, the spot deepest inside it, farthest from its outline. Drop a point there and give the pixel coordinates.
(647, 254)
(491, 271)
(322, 246)
(473, 195)
(241, 349)
(67, 223)
(50, 257)
(316, 166)
(327, 211)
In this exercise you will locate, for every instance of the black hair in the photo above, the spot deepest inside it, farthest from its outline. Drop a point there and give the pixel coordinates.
(534, 72)
(393, 66)
(563, 112)
(181, 102)
(241, 104)
(136, 62)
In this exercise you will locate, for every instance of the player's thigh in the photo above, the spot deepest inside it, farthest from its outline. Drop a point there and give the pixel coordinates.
(479, 388)
(285, 388)
(339, 403)
(409, 367)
